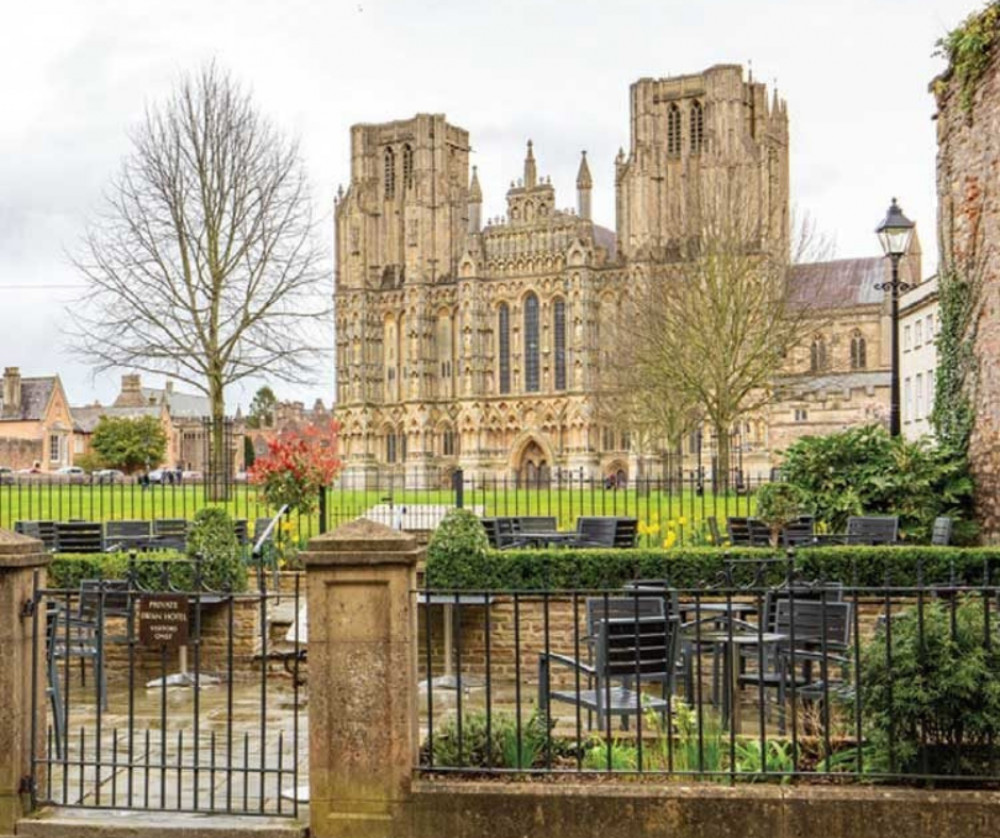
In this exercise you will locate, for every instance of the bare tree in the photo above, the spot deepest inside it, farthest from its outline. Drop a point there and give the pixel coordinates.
(702, 335)
(203, 264)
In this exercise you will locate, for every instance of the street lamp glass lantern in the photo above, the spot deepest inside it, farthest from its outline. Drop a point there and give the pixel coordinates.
(895, 231)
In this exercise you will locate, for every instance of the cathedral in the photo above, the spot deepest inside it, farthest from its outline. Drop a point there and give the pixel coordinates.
(473, 343)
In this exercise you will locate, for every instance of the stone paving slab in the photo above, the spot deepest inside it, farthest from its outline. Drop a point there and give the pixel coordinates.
(88, 823)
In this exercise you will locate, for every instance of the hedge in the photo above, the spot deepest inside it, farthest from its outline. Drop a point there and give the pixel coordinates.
(699, 566)
(67, 570)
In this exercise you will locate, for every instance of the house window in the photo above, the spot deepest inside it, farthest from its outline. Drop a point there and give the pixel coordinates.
(859, 351)
(918, 396)
(801, 414)
(907, 338)
(697, 126)
(448, 443)
(930, 392)
(918, 334)
(78, 444)
(54, 448)
(673, 130)
(626, 441)
(907, 400)
(503, 346)
(930, 326)
(531, 361)
(390, 173)
(559, 326)
(608, 439)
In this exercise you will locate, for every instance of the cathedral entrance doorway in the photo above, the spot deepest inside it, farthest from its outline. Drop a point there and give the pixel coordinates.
(533, 468)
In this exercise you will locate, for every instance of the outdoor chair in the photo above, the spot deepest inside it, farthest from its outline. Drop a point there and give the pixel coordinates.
(748, 532)
(627, 652)
(242, 531)
(44, 531)
(595, 532)
(127, 535)
(79, 537)
(799, 533)
(170, 534)
(626, 533)
(816, 641)
(941, 531)
(872, 529)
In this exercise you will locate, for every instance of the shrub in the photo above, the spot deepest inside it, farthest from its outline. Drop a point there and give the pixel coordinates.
(490, 742)
(933, 705)
(865, 471)
(152, 571)
(690, 567)
(778, 504)
(458, 549)
(298, 464)
(213, 538)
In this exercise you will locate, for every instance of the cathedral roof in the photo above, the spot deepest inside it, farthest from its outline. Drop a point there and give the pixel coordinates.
(475, 190)
(583, 179)
(841, 283)
(603, 237)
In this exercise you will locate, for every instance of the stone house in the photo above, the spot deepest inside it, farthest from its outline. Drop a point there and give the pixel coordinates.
(36, 424)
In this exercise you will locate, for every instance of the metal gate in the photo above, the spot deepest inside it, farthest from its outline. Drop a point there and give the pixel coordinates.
(159, 692)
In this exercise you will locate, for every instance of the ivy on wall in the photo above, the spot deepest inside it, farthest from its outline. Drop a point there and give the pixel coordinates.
(968, 49)
(953, 414)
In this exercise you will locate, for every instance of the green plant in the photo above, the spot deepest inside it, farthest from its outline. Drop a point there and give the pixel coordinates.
(775, 757)
(129, 444)
(688, 743)
(865, 471)
(968, 49)
(152, 571)
(613, 755)
(458, 549)
(931, 700)
(689, 567)
(213, 539)
(491, 741)
(778, 504)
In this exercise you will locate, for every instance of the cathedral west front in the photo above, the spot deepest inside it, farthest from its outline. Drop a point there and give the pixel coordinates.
(473, 343)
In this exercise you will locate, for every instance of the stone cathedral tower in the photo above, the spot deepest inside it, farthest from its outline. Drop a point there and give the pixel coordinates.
(475, 343)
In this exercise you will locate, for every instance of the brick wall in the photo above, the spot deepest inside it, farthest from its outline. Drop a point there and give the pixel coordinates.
(969, 201)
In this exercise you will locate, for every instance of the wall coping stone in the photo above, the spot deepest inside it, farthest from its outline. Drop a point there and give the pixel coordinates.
(20, 551)
(362, 542)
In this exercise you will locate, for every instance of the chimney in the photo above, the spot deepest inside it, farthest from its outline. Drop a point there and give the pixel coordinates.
(131, 394)
(169, 387)
(11, 391)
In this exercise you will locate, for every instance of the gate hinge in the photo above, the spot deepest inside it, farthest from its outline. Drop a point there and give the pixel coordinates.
(27, 609)
(27, 785)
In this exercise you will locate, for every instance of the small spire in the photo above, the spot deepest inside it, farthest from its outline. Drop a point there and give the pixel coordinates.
(475, 191)
(583, 179)
(530, 172)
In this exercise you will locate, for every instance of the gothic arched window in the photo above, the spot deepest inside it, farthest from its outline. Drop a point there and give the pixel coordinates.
(503, 347)
(531, 347)
(673, 129)
(559, 342)
(859, 351)
(390, 173)
(407, 166)
(817, 355)
(697, 126)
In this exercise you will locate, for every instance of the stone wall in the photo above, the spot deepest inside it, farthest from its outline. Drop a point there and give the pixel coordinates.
(18, 453)
(969, 227)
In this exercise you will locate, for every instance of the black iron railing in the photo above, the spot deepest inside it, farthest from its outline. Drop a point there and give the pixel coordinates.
(156, 692)
(807, 679)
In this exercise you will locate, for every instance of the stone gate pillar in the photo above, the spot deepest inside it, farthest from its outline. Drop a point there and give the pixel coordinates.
(19, 558)
(362, 679)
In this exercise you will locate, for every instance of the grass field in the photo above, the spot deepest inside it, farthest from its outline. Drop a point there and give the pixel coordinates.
(681, 510)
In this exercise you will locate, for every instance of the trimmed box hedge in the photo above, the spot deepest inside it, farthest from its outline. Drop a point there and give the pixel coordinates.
(67, 570)
(693, 567)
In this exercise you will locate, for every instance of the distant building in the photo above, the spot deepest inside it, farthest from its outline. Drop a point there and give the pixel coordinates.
(919, 319)
(288, 416)
(36, 426)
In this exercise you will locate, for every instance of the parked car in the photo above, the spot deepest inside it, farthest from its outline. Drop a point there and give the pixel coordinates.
(6, 474)
(74, 474)
(108, 475)
(157, 475)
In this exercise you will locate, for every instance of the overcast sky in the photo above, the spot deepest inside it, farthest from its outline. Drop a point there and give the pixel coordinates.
(77, 74)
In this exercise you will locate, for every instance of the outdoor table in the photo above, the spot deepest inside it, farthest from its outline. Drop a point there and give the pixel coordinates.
(718, 610)
(448, 602)
(543, 538)
(731, 643)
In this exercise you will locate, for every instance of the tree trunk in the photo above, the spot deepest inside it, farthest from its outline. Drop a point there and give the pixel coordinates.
(218, 475)
(722, 452)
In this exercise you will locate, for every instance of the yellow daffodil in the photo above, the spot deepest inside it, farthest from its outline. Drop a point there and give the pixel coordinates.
(670, 540)
(682, 521)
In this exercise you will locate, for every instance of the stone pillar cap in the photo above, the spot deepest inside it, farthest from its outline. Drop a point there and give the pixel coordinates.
(18, 550)
(362, 541)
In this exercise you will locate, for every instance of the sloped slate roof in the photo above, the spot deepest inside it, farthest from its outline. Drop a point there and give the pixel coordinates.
(839, 284)
(85, 419)
(801, 385)
(35, 396)
(603, 237)
(181, 405)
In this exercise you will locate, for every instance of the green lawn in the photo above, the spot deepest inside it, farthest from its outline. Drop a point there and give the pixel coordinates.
(683, 511)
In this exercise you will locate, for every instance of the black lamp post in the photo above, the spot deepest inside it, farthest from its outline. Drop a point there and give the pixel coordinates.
(894, 233)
